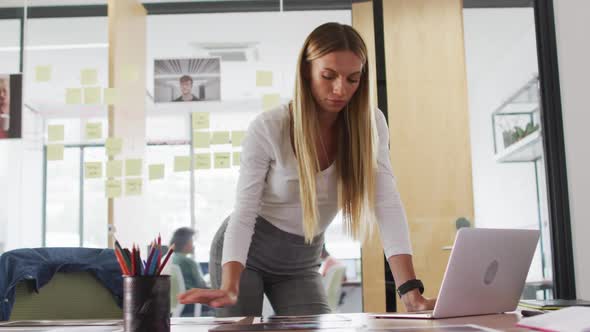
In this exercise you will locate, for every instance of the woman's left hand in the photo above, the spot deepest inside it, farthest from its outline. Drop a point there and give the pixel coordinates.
(414, 301)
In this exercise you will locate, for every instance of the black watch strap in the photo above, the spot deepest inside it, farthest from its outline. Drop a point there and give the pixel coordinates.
(410, 285)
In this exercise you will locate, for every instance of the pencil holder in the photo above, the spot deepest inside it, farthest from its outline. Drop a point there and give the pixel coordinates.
(146, 303)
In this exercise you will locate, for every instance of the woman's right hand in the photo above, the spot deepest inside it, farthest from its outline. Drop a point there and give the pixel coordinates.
(212, 297)
(227, 295)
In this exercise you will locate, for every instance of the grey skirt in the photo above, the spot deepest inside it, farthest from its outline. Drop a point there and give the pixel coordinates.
(280, 265)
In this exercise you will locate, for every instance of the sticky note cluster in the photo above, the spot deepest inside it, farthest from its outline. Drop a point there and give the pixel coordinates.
(93, 130)
(54, 150)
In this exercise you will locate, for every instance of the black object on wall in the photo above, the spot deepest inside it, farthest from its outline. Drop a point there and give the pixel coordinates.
(16, 104)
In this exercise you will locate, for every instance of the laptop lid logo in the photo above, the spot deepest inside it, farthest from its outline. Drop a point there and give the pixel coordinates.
(491, 272)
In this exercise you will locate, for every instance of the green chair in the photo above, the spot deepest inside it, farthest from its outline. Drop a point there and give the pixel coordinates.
(76, 295)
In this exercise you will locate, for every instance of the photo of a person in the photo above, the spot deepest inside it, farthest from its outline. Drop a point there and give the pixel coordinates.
(186, 87)
(4, 105)
(187, 80)
(10, 106)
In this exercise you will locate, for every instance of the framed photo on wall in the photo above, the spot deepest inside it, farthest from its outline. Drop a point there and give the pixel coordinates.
(187, 80)
(10, 105)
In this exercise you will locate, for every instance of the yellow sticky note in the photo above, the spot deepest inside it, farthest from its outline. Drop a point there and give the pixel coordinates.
(156, 171)
(88, 76)
(220, 137)
(202, 161)
(55, 152)
(236, 158)
(201, 139)
(133, 167)
(270, 101)
(92, 96)
(109, 96)
(93, 170)
(263, 78)
(182, 163)
(43, 73)
(113, 146)
(222, 160)
(55, 133)
(130, 73)
(73, 96)
(114, 168)
(113, 188)
(200, 120)
(93, 130)
(237, 137)
(133, 186)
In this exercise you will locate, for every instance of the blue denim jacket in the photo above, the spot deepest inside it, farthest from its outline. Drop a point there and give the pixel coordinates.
(41, 264)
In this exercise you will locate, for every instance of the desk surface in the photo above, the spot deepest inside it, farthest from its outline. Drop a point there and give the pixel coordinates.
(357, 322)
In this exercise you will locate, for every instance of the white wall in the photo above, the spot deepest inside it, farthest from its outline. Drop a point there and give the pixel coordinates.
(500, 58)
(572, 24)
(9, 46)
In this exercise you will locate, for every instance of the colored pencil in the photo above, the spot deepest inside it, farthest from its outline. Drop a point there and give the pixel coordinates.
(132, 264)
(138, 262)
(127, 257)
(121, 262)
(124, 253)
(170, 251)
(133, 267)
(150, 257)
(159, 260)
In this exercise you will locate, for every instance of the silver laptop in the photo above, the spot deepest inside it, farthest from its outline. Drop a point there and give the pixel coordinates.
(485, 274)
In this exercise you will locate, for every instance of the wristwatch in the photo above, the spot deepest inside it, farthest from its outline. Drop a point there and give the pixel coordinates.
(410, 285)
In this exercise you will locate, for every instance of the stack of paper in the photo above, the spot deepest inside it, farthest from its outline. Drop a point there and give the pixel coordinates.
(553, 304)
(570, 319)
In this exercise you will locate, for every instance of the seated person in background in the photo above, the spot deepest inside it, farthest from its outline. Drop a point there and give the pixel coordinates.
(328, 262)
(191, 273)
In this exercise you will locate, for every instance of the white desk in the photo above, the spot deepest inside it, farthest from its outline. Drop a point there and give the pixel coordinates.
(505, 322)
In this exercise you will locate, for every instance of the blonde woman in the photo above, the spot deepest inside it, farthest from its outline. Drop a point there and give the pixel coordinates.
(302, 163)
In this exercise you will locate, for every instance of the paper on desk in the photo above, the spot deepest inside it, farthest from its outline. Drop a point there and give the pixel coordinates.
(289, 326)
(438, 328)
(568, 319)
(62, 322)
(204, 320)
(307, 318)
(87, 329)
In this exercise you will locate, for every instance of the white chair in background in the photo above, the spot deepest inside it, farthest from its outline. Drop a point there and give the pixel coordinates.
(267, 309)
(176, 287)
(333, 285)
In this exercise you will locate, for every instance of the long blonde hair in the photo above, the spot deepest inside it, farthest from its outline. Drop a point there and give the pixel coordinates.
(356, 160)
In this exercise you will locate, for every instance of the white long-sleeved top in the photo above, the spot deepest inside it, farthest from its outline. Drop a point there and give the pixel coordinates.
(268, 186)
